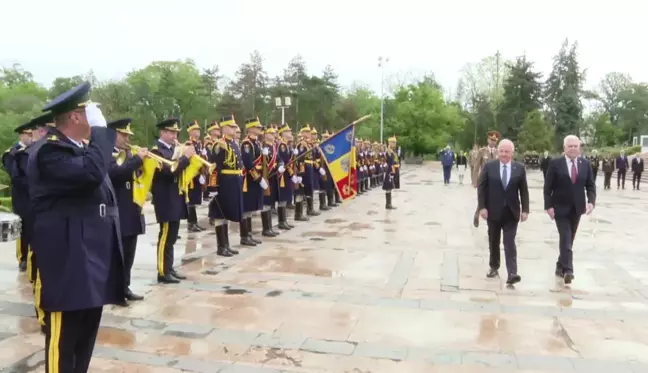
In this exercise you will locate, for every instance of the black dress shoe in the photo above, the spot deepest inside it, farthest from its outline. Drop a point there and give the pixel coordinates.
(193, 228)
(492, 273)
(246, 241)
(22, 266)
(569, 277)
(513, 279)
(167, 279)
(224, 252)
(177, 274)
(132, 296)
(123, 303)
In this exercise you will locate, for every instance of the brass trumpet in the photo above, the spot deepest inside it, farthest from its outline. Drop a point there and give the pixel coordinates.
(120, 158)
(179, 151)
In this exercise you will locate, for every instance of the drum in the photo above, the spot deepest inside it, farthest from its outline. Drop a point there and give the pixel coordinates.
(9, 227)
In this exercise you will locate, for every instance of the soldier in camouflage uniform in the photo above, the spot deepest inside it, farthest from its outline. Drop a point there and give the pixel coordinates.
(485, 154)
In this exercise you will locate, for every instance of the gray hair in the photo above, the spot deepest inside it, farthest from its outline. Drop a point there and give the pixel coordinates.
(506, 142)
(569, 138)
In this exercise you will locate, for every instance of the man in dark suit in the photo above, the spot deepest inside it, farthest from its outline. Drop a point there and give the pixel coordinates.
(637, 170)
(569, 180)
(544, 163)
(501, 190)
(621, 165)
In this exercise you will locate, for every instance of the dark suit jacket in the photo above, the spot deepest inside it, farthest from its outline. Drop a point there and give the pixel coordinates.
(622, 162)
(637, 165)
(561, 194)
(492, 196)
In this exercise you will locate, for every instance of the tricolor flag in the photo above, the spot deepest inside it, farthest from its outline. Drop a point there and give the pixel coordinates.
(338, 152)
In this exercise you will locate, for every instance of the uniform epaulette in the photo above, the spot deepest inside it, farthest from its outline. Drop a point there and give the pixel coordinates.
(52, 138)
(222, 144)
(155, 147)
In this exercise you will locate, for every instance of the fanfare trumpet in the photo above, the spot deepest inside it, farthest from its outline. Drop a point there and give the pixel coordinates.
(120, 157)
(179, 151)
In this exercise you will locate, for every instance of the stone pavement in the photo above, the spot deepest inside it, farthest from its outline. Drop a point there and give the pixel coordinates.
(364, 290)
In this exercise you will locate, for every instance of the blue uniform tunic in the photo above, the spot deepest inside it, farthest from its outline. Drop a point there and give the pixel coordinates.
(78, 249)
(305, 170)
(252, 191)
(228, 204)
(122, 177)
(270, 162)
(391, 172)
(195, 189)
(285, 156)
(168, 201)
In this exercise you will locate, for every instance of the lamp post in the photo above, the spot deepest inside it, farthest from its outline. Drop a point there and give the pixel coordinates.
(283, 105)
(381, 64)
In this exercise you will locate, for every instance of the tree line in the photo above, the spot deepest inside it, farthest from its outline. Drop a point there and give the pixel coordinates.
(508, 95)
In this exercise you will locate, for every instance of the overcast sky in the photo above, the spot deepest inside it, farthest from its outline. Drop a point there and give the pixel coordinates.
(70, 37)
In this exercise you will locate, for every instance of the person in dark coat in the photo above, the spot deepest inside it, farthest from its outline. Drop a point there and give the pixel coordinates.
(226, 189)
(196, 186)
(608, 168)
(253, 182)
(621, 164)
(637, 170)
(392, 168)
(544, 163)
(78, 250)
(169, 203)
(595, 162)
(124, 179)
(287, 176)
(269, 166)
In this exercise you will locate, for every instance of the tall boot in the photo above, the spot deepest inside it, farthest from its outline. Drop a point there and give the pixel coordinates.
(271, 224)
(290, 205)
(267, 231)
(226, 237)
(330, 196)
(338, 197)
(221, 243)
(192, 220)
(299, 212)
(310, 210)
(388, 202)
(283, 219)
(245, 237)
(360, 187)
(249, 231)
(322, 201)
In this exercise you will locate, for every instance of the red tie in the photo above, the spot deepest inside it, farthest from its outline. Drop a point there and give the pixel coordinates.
(574, 172)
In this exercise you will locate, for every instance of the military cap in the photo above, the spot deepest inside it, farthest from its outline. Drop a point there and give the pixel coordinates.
(193, 126)
(169, 125)
(392, 139)
(326, 134)
(285, 128)
(271, 130)
(228, 121)
(306, 128)
(313, 131)
(213, 126)
(494, 135)
(366, 141)
(46, 119)
(77, 97)
(122, 126)
(253, 123)
(25, 128)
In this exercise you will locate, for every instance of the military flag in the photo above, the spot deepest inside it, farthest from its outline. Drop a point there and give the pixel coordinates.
(337, 152)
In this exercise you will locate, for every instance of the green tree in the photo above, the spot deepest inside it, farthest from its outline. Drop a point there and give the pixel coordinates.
(600, 131)
(535, 134)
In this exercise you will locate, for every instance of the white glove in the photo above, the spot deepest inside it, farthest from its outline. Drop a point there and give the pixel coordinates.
(385, 165)
(281, 169)
(322, 172)
(265, 151)
(202, 180)
(300, 179)
(95, 116)
(204, 152)
(295, 151)
(213, 194)
(295, 179)
(264, 184)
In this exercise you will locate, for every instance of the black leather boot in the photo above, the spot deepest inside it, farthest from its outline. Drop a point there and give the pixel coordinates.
(266, 224)
(299, 212)
(388, 202)
(338, 198)
(249, 231)
(227, 242)
(221, 246)
(283, 219)
(322, 201)
(245, 238)
(310, 210)
(330, 196)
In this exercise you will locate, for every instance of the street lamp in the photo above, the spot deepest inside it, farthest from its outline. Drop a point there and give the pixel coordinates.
(283, 106)
(381, 64)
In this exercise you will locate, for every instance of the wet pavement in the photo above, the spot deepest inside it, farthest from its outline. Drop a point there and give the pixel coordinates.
(364, 290)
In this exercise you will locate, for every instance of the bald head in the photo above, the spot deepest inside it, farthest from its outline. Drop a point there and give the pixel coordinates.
(505, 150)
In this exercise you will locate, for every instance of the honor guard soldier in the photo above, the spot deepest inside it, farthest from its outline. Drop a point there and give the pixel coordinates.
(393, 164)
(485, 154)
(326, 181)
(269, 172)
(16, 165)
(227, 195)
(318, 171)
(237, 136)
(286, 175)
(361, 160)
(595, 162)
(78, 250)
(168, 201)
(124, 173)
(306, 173)
(366, 145)
(195, 187)
(214, 134)
(253, 182)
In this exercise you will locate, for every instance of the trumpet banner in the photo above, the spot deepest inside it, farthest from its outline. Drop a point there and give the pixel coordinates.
(186, 178)
(142, 183)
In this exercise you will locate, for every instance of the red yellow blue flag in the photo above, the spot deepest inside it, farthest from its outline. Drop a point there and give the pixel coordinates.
(337, 151)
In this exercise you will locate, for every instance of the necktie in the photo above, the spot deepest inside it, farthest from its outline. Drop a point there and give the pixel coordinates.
(504, 176)
(574, 172)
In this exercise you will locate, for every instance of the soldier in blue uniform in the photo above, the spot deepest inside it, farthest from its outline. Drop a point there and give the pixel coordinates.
(306, 175)
(269, 170)
(360, 160)
(212, 138)
(168, 200)
(393, 163)
(195, 188)
(253, 182)
(326, 181)
(78, 250)
(131, 218)
(226, 191)
(318, 172)
(286, 175)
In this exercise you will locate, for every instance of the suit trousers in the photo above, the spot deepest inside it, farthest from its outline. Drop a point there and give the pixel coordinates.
(621, 178)
(507, 225)
(607, 179)
(129, 243)
(567, 227)
(636, 176)
(70, 339)
(166, 239)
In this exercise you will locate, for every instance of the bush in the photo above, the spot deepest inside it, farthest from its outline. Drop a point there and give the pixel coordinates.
(615, 151)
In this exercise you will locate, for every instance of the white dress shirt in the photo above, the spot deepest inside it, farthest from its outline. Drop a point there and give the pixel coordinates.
(569, 165)
(508, 172)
